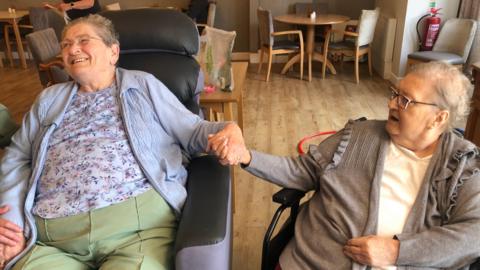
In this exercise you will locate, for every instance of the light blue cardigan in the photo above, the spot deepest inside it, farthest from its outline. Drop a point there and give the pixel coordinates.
(160, 129)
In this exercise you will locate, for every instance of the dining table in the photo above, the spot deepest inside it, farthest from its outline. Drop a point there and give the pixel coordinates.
(310, 23)
(13, 18)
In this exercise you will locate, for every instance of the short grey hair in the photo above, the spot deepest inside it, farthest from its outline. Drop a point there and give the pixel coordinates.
(453, 89)
(101, 25)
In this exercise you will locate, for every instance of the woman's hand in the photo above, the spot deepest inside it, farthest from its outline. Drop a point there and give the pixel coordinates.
(12, 240)
(8, 252)
(229, 145)
(9, 231)
(376, 251)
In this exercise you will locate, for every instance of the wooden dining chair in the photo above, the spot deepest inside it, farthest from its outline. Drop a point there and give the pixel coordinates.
(46, 48)
(270, 46)
(356, 44)
(9, 38)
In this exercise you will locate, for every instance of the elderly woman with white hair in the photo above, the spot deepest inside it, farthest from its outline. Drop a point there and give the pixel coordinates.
(95, 176)
(401, 193)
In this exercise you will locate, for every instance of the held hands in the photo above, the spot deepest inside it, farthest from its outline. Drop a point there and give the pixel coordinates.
(12, 240)
(373, 250)
(229, 145)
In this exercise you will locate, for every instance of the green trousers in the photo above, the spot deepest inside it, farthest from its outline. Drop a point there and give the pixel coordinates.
(135, 234)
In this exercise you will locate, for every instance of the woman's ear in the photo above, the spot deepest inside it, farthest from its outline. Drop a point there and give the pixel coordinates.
(441, 118)
(115, 54)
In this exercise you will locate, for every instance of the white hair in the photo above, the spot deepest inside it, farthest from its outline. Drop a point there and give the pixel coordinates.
(452, 88)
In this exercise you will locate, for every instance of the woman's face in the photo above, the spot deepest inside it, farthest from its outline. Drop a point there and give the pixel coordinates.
(85, 55)
(410, 127)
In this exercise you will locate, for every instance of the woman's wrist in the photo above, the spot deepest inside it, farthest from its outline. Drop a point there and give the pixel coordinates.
(246, 158)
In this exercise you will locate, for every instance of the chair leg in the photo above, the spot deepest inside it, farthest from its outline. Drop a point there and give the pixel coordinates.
(301, 65)
(309, 67)
(324, 63)
(261, 61)
(370, 62)
(270, 56)
(357, 76)
(7, 44)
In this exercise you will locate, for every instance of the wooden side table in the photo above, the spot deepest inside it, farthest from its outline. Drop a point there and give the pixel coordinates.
(222, 102)
(472, 132)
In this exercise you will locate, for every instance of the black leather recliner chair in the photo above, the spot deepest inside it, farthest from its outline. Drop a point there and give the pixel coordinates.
(162, 42)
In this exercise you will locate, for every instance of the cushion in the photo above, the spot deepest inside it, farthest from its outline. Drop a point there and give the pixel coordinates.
(450, 58)
(215, 57)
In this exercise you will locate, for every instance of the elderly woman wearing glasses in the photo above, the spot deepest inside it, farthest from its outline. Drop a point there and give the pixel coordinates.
(94, 178)
(397, 193)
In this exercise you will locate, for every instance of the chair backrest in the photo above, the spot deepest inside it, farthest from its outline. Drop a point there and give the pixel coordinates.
(366, 26)
(42, 18)
(161, 42)
(456, 36)
(212, 8)
(45, 48)
(265, 26)
(307, 8)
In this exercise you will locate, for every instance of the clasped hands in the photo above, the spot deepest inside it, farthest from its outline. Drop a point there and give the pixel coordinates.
(229, 146)
(12, 241)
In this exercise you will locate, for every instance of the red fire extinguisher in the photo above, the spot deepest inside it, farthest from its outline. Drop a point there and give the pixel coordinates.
(432, 27)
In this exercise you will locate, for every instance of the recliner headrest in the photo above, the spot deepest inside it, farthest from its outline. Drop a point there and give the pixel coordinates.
(152, 29)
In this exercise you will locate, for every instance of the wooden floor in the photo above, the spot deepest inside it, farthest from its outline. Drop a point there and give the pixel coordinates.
(276, 115)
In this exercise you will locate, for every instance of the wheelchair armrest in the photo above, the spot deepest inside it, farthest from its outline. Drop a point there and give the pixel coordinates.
(204, 230)
(288, 196)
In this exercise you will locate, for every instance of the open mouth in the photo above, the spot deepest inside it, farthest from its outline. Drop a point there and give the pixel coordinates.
(392, 118)
(78, 60)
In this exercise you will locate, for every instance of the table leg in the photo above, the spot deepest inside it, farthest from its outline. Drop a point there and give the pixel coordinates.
(7, 44)
(320, 58)
(21, 53)
(310, 48)
(290, 63)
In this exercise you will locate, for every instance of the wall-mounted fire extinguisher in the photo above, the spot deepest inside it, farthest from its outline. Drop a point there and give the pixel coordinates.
(432, 27)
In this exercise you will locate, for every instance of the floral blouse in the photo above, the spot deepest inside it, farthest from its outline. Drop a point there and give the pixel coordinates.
(89, 161)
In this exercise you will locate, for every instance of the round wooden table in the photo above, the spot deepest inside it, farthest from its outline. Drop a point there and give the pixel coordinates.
(320, 19)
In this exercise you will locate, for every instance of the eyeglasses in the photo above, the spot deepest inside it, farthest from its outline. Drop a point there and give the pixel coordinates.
(82, 40)
(403, 101)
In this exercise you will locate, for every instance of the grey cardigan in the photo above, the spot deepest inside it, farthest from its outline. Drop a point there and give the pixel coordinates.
(441, 231)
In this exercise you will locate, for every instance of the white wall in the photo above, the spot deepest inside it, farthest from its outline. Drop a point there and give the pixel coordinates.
(408, 12)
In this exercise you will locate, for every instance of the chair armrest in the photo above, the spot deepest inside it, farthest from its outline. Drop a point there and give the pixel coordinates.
(289, 32)
(47, 66)
(352, 34)
(204, 231)
(288, 197)
(26, 26)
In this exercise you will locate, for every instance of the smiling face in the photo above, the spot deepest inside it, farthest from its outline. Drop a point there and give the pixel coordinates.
(86, 57)
(419, 125)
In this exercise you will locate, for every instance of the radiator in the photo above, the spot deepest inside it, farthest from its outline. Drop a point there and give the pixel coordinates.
(382, 46)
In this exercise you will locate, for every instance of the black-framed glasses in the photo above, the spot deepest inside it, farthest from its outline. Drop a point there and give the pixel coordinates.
(403, 101)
